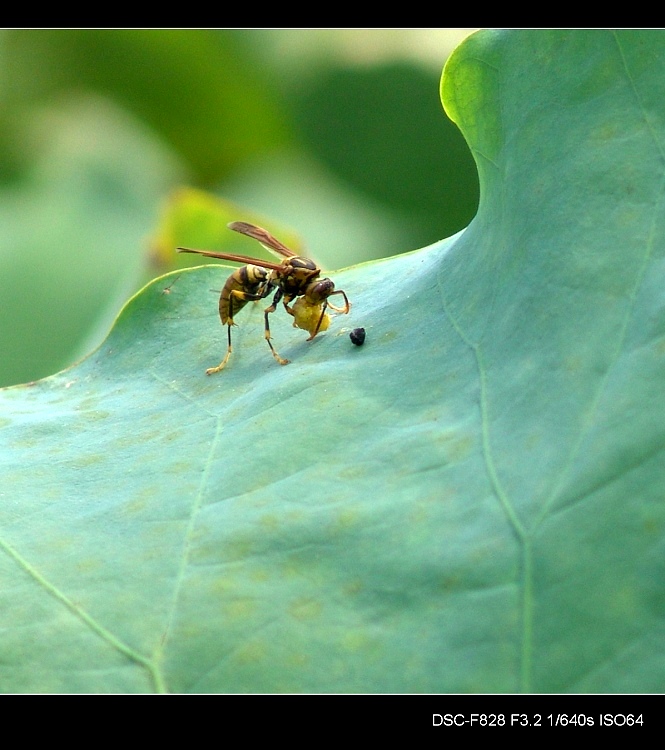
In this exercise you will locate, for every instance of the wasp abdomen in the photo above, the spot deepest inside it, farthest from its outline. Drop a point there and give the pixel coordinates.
(248, 279)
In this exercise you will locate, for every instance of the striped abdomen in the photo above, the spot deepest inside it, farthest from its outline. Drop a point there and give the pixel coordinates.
(251, 280)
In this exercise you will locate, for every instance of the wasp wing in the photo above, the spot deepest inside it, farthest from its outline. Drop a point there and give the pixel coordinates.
(246, 259)
(263, 236)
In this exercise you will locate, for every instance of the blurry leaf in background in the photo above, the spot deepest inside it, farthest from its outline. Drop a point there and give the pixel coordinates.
(193, 86)
(378, 169)
(297, 56)
(70, 234)
(383, 131)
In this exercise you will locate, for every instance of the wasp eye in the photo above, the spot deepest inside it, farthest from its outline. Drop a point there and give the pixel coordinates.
(320, 291)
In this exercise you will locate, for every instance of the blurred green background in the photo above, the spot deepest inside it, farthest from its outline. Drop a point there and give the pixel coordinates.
(336, 139)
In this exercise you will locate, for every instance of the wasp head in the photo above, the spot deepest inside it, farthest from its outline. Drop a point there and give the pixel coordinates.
(318, 291)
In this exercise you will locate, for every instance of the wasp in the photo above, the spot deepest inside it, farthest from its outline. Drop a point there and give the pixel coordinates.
(295, 278)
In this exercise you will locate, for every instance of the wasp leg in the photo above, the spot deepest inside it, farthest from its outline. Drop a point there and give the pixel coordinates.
(245, 297)
(347, 304)
(327, 304)
(229, 349)
(271, 309)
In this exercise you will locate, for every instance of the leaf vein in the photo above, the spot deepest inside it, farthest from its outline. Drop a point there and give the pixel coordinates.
(523, 537)
(84, 616)
(187, 541)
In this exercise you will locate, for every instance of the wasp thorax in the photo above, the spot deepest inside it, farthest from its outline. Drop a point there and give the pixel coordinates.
(304, 263)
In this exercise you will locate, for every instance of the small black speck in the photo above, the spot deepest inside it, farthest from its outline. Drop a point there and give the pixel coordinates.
(357, 335)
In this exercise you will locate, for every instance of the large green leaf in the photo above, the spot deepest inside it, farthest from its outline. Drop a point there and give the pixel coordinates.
(472, 501)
